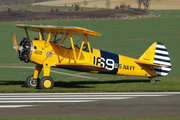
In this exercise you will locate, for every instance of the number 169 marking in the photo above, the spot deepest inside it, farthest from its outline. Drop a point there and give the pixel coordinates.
(105, 63)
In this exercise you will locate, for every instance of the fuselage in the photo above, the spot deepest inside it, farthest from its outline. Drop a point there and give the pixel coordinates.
(116, 64)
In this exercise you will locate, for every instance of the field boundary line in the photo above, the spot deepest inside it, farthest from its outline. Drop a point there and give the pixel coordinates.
(154, 13)
(53, 71)
(82, 18)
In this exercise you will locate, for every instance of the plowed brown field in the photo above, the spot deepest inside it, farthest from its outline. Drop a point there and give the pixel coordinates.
(30, 16)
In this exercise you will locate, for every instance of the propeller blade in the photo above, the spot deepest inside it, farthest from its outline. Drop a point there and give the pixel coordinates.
(15, 47)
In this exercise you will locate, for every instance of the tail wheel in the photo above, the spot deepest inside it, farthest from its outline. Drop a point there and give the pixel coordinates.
(152, 80)
(31, 82)
(46, 83)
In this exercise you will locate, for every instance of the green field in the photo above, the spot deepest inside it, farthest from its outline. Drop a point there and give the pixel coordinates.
(168, 84)
(129, 37)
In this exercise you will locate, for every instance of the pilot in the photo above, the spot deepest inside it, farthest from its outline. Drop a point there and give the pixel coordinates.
(85, 48)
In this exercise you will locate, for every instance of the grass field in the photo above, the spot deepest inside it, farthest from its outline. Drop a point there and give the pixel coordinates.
(168, 84)
(129, 37)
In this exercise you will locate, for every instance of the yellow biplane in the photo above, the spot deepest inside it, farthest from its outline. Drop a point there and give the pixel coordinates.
(46, 52)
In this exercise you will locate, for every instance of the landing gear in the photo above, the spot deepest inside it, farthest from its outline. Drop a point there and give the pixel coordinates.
(152, 80)
(31, 82)
(46, 83)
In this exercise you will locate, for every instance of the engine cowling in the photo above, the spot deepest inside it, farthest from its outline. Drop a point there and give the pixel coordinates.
(25, 50)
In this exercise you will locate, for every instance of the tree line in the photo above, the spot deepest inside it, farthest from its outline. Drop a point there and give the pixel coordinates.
(145, 3)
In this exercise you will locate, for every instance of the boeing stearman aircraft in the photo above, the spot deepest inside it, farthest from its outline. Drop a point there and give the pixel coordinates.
(50, 51)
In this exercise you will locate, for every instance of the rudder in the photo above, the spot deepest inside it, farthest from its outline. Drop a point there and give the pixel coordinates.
(162, 58)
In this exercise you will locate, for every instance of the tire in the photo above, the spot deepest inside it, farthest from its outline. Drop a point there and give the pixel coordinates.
(46, 83)
(31, 82)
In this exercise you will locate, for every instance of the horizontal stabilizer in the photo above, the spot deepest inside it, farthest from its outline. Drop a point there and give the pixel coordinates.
(148, 63)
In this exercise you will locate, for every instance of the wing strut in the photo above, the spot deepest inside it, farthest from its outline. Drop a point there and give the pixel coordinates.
(64, 39)
(72, 44)
(26, 33)
(81, 47)
(85, 37)
(41, 36)
(55, 36)
(49, 37)
(89, 46)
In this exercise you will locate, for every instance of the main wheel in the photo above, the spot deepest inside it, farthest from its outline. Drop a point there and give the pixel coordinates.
(46, 83)
(31, 82)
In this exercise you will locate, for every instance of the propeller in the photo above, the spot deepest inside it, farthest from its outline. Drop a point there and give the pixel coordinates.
(15, 46)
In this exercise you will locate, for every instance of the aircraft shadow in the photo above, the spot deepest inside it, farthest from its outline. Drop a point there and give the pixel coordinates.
(4, 82)
(80, 84)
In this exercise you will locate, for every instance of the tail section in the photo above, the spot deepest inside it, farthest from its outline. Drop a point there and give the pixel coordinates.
(157, 56)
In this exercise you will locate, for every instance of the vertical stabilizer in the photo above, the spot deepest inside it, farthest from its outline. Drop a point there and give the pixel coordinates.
(158, 54)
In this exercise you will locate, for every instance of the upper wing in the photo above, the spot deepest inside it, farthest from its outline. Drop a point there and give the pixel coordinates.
(59, 29)
(82, 67)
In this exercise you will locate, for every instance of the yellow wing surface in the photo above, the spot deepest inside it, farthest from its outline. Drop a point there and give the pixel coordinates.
(59, 29)
(82, 67)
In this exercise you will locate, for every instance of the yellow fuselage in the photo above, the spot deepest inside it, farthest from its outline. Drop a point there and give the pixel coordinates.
(52, 54)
